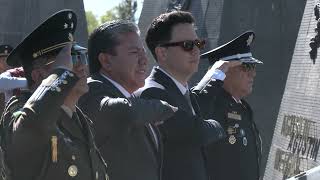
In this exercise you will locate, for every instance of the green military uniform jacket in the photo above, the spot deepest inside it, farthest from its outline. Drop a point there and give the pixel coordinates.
(41, 142)
(238, 155)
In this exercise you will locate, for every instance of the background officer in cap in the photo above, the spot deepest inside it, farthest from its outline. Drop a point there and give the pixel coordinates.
(9, 78)
(46, 136)
(220, 96)
(5, 50)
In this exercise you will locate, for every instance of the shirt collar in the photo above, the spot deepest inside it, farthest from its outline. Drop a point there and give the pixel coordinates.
(118, 86)
(183, 89)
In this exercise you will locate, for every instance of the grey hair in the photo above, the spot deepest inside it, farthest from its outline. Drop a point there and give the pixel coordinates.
(105, 38)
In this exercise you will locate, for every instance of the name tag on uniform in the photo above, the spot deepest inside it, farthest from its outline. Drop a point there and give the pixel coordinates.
(234, 115)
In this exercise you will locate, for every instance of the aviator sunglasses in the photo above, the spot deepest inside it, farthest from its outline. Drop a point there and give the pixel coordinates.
(79, 55)
(187, 45)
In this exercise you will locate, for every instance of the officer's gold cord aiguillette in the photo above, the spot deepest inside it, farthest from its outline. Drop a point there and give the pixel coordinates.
(54, 148)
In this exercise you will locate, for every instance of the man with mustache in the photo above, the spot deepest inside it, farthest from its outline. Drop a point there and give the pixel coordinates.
(220, 96)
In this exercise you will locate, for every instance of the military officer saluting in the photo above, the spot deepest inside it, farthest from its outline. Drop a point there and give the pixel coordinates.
(46, 136)
(220, 96)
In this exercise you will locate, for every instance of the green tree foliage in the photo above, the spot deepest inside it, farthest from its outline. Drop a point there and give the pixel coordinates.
(108, 16)
(125, 10)
(92, 21)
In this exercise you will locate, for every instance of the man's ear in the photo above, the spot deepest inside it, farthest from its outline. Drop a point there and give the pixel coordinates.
(105, 61)
(161, 53)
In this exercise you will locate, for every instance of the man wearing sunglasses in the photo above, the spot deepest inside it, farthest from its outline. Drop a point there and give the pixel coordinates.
(220, 96)
(176, 47)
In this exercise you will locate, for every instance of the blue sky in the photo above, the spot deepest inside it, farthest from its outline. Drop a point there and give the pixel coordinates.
(99, 7)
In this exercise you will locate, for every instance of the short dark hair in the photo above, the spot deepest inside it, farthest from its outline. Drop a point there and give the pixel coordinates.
(105, 38)
(161, 27)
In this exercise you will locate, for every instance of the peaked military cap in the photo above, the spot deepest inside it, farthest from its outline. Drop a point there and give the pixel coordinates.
(49, 37)
(5, 50)
(236, 49)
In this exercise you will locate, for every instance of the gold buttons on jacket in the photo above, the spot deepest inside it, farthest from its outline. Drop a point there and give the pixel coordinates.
(72, 170)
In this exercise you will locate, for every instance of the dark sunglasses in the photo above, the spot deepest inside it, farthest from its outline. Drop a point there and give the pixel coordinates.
(187, 45)
(248, 66)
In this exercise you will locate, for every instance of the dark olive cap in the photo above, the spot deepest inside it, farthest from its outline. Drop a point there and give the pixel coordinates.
(5, 50)
(49, 37)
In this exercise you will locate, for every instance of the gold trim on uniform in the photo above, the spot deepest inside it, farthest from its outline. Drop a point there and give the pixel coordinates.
(54, 149)
(72, 170)
(49, 49)
(232, 139)
(4, 54)
(107, 177)
(234, 115)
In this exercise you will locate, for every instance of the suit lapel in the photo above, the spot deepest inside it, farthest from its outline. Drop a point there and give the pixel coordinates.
(108, 86)
(178, 98)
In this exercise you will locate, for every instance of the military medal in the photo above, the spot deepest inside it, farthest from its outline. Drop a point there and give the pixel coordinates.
(54, 148)
(245, 141)
(232, 139)
(236, 125)
(72, 170)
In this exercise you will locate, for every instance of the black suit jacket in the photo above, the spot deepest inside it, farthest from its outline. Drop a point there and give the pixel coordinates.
(120, 124)
(184, 134)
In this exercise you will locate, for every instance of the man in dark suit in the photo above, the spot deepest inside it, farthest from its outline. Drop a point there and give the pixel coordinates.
(46, 136)
(124, 124)
(220, 96)
(176, 47)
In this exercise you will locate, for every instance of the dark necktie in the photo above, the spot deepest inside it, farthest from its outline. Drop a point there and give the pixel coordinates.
(152, 132)
(187, 96)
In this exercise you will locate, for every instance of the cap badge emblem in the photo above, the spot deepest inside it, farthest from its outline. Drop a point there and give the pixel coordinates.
(249, 40)
(70, 15)
(70, 37)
